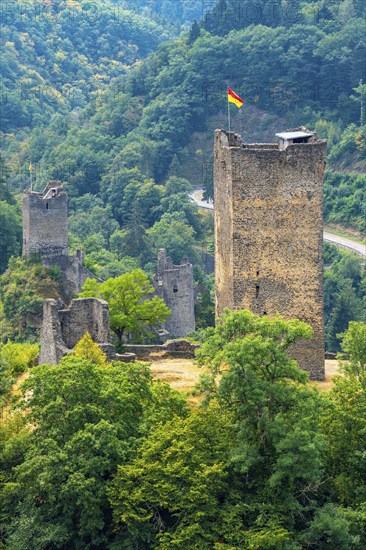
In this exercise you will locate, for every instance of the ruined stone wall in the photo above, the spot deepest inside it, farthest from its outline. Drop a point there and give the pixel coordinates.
(53, 347)
(269, 234)
(85, 315)
(73, 274)
(208, 262)
(45, 225)
(63, 328)
(174, 284)
(173, 348)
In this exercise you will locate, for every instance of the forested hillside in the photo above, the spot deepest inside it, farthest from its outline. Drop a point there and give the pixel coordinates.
(123, 113)
(303, 70)
(57, 55)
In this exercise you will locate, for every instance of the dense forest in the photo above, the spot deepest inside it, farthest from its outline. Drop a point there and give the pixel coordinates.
(118, 101)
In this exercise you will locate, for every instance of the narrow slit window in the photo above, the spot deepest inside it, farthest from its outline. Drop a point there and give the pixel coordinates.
(257, 291)
(175, 289)
(46, 205)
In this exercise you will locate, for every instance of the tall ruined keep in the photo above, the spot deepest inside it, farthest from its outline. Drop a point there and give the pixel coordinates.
(45, 235)
(269, 232)
(174, 284)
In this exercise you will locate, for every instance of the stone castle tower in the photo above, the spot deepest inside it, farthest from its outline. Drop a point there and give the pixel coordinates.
(45, 235)
(45, 223)
(269, 232)
(174, 284)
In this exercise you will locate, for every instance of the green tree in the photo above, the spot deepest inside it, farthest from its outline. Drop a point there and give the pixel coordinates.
(243, 470)
(175, 168)
(347, 308)
(5, 194)
(193, 33)
(173, 233)
(180, 202)
(176, 185)
(132, 239)
(23, 289)
(344, 422)
(11, 231)
(130, 308)
(95, 220)
(85, 419)
(172, 494)
(89, 350)
(249, 372)
(14, 360)
(330, 528)
(354, 346)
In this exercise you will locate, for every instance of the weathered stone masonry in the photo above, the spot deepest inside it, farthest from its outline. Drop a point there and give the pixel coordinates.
(45, 224)
(63, 328)
(269, 234)
(174, 284)
(45, 234)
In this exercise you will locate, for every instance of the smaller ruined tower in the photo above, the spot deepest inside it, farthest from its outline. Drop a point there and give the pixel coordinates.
(45, 223)
(174, 284)
(45, 235)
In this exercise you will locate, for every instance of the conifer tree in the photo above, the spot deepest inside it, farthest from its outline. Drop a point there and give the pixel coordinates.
(88, 349)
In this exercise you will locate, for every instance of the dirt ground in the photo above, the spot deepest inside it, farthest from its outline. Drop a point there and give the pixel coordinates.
(180, 374)
(183, 374)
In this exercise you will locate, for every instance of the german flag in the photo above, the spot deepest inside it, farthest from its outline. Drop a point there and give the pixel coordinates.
(232, 97)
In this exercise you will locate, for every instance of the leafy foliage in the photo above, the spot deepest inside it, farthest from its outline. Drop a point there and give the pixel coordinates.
(345, 199)
(130, 308)
(23, 288)
(14, 360)
(345, 293)
(344, 422)
(89, 350)
(45, 44)
(10, 227)
(87, 418)
(103, 457)
(240, 473)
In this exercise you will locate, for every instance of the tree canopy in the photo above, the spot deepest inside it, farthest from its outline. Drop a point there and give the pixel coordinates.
(103, 456)
(131, 309)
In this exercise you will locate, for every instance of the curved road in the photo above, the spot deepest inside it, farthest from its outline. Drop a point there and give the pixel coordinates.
(342, 242)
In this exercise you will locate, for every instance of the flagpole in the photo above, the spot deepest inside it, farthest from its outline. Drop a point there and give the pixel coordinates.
(228, 113)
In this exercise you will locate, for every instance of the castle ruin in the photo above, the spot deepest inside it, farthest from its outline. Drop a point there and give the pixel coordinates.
(63, 328)
(174, 284)
(269, 232)
(45, 235)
